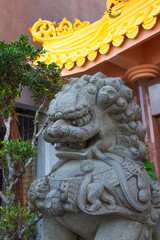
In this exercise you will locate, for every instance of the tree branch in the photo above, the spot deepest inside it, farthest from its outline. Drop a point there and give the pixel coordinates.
(35, 134)
(7, 123)
(29, 161)
(4, 198)
(30, 225)
(36, 122)
(42, 128)
(4, 177)
(10, 167)
(13, 184)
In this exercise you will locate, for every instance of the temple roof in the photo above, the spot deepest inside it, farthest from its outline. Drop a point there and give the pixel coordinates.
(69, 45)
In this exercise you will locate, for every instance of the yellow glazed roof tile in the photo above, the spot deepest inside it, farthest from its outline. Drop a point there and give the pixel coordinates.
(69, 44)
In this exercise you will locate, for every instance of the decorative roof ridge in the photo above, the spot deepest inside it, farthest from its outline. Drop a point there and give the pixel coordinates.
(70, 44)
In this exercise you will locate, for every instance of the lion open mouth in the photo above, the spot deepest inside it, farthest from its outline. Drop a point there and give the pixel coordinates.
(76, 134)
(77, 146)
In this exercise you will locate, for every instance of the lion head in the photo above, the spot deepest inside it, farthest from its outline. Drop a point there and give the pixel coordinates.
(96, 110)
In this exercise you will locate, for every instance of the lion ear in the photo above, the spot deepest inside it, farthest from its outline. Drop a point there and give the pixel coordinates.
(107, 95)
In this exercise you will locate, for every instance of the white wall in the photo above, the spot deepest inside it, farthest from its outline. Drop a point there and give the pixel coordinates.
(45, 154)
(45, 160)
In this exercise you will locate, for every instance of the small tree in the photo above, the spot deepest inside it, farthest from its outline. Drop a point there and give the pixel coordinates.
(17, 70)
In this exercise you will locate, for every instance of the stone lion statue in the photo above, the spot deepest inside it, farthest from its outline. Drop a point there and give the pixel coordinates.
(99, 188)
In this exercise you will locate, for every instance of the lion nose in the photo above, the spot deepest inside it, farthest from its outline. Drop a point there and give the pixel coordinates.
(58, 131)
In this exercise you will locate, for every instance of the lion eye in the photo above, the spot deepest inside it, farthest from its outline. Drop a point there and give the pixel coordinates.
(74, 122)
(81, 121)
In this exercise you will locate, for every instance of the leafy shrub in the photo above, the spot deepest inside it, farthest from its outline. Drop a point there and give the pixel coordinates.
(15, 219)
(18, 151)
(149, 168)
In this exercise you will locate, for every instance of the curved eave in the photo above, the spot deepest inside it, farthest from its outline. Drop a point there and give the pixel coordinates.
(101, 41)
(116, 56)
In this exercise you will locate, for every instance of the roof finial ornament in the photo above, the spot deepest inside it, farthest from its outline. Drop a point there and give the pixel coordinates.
(114, 7)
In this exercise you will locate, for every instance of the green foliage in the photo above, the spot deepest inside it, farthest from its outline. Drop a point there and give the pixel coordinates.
(79, 238)
(149, 168)
(19, 152)
(14, 218)
(14, 65)
(45, 81)
(17, 70)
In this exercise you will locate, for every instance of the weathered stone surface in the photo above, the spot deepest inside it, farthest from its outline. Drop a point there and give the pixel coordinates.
(99, 188)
